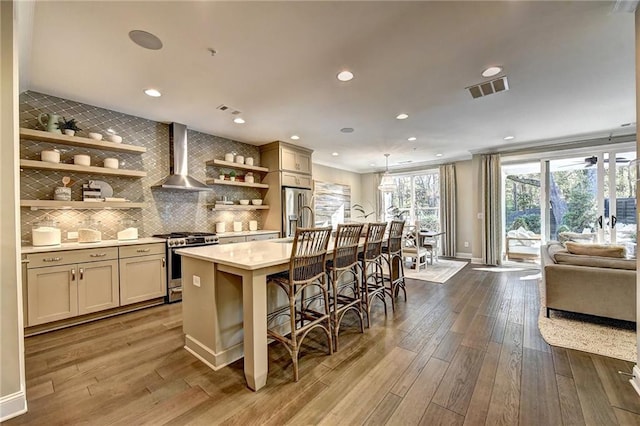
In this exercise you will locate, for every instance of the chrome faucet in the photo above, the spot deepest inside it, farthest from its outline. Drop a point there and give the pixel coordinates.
(313, 215)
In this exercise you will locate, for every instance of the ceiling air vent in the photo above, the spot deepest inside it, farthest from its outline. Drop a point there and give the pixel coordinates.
(227, 108)
(498, 85)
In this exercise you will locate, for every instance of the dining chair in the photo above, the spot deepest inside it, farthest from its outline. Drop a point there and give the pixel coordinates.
(307, 268)
(412, 248)
(343, 271)
(430, 244)
(372, 268)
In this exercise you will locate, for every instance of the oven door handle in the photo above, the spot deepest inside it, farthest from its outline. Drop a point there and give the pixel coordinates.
(163, 262)
(176, 290)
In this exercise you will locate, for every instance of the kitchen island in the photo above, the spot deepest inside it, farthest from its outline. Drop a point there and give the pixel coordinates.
(225, 303)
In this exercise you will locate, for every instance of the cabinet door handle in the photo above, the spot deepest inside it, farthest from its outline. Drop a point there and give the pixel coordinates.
(81, 273)
(52, 259)
(73, 274)
(143, 250)
(163, 262)
(98, 254)
(25, 261)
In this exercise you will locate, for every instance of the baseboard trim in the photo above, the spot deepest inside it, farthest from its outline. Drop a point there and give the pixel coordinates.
(477, 260)
(13, 405)
(462, 255)
(635, 381)
(214, 360)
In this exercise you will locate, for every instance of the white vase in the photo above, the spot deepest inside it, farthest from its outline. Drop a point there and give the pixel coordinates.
(69, 132)
(232, 178)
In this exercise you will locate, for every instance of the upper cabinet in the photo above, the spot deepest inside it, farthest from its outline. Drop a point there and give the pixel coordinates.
(296, 160)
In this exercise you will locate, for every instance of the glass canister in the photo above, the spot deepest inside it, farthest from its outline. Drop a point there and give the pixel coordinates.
(90, 231)
(128, 230)
(46, 233)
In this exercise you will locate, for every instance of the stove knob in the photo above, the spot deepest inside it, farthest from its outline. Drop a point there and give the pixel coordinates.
(170, 243)
(183, 242)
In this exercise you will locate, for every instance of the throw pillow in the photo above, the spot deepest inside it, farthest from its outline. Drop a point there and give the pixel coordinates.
(563, 237)
(603, 250)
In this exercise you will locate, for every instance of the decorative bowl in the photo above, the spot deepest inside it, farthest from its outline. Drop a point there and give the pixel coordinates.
(256, 202)
(82, 160)
(50, 156)
(244, 202)
(115, 138)
(96, 136)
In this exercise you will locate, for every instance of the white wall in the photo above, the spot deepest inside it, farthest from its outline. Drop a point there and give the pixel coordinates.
(12, 377)
(466, 188)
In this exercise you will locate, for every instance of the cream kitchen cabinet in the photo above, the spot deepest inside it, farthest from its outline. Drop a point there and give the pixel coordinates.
(295, 160)
(297, 180)
(142, 273)
(81, 282)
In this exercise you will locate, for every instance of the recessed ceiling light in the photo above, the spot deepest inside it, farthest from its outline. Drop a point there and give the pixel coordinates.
(491, 71)
(438, 155)
(345, 75)
(153, 93)
(509, 138)
(295, 137)
(412, 138)
(402, 116)
(335, 154)
(347, 130)
(145, 39)
(372, 164)
(238, 120)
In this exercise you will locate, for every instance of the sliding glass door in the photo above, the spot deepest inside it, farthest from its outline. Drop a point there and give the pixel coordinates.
(584, 197)
(593, 196)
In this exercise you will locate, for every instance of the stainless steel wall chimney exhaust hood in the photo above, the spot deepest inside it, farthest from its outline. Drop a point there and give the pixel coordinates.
(178, 177)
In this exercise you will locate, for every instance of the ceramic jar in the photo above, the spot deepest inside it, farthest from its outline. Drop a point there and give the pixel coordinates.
(228, 157)
(239, 159)
(50, 156)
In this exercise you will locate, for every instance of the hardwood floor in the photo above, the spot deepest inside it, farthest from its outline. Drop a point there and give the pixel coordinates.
(464, 353)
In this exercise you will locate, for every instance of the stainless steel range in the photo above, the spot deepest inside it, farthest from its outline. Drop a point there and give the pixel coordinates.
(178, 240)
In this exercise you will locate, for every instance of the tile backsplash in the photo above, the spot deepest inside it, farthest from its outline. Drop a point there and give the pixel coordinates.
(165, 210)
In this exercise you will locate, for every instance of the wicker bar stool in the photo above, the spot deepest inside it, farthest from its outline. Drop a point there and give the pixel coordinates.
(306, 269)
(372, 268)
(344, 277)
(395, 262)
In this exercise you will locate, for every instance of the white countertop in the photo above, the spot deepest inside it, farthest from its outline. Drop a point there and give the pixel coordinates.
(249, 256)
(246, 233)
(80, 246)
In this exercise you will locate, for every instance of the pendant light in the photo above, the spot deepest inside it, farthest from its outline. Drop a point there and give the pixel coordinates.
(387, 183)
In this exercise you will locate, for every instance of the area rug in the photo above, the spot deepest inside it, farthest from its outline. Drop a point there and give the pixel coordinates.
(440, 272)
(603, 336)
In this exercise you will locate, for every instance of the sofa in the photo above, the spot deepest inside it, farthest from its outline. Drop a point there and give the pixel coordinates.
(589, 284)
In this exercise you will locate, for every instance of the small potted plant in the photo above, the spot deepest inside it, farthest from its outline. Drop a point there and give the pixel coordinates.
(222, 176)
(69, 127)
(232, 175)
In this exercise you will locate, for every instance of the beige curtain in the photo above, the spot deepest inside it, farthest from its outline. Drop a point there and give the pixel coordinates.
(491, 209)
(448, 209)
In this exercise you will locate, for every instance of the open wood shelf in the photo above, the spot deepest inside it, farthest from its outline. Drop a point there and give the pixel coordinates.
(55, 204)
(43, 165)
(229, 164)
(39, 135)
(236, 183)
(237, 207)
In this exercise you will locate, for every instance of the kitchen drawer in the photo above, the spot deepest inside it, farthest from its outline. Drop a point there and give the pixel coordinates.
(40, 260)
(262, 237)
(295, 179)
(142, 250)
(229, 240)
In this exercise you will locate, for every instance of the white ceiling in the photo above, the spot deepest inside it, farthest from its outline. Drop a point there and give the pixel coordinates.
(570, 66)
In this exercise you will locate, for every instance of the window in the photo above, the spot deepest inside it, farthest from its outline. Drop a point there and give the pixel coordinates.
(416, 199)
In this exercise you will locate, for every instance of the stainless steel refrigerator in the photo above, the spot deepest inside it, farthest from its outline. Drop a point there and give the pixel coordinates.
(293, 213)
